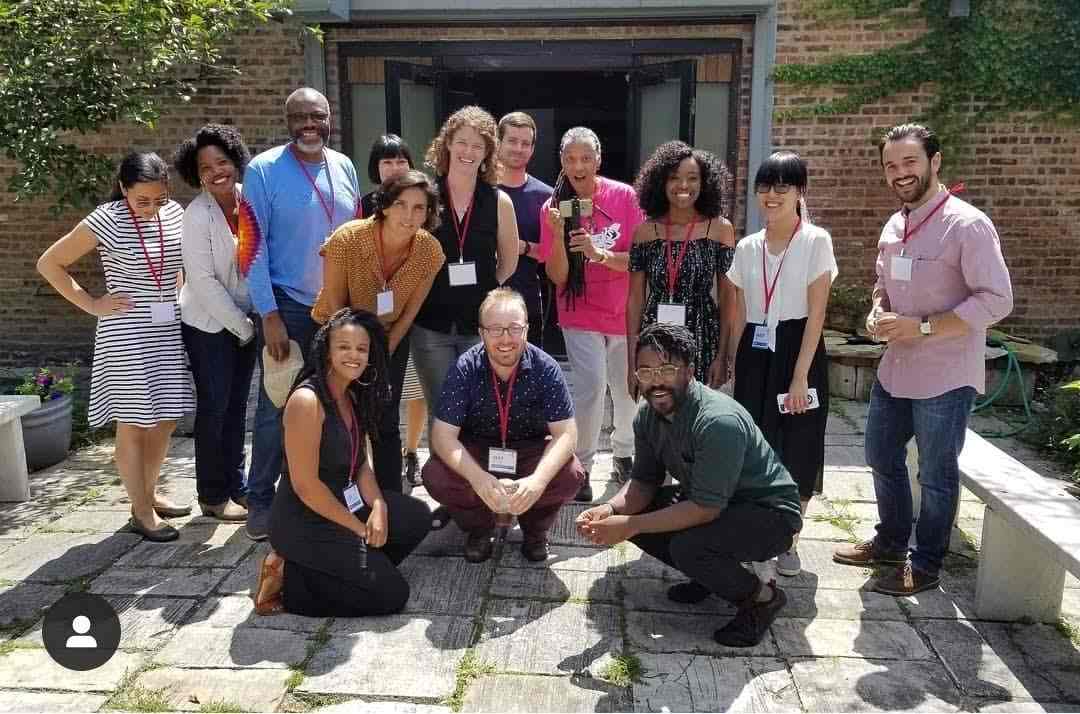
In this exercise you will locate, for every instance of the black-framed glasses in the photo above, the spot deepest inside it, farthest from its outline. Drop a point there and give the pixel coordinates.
(513, 330)
(648, 375)
(319, 117)
(780, 188)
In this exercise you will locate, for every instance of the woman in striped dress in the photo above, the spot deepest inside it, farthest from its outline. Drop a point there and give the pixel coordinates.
(139, 378)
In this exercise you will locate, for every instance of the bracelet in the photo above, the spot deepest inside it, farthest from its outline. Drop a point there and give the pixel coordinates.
(603, 256)
(613, 511)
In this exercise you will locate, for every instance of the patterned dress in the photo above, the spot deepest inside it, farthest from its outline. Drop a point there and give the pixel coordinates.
(705, 259)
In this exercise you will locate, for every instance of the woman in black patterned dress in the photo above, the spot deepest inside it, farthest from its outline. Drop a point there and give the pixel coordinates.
(682, 253)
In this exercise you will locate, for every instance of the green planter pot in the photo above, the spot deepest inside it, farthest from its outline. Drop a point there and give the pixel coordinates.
(47, 433)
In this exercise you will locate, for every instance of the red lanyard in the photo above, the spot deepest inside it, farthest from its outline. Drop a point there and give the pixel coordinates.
(948, 194)
(504, 408)
(674, 266)
(384, 274)
(769, 292)
(461, 230)
(327, 207)
(158, 274)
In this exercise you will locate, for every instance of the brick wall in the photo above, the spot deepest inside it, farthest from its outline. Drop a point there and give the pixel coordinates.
(1025, 175)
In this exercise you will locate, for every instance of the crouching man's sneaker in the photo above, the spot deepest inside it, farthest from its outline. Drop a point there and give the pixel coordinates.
(752, 621)
(906, 580)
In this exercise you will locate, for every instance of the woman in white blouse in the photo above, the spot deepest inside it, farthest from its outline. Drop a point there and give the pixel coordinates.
(214, 307)
(782, 277)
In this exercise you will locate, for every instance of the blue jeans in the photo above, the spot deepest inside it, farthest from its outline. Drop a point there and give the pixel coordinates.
(222, 371)
(938, 425)
(434, 353)
(266, 443)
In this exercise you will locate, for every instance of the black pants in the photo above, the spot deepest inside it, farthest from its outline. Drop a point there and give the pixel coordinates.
(344, 589)
(221, 369)
(386, 449)
(712, 554)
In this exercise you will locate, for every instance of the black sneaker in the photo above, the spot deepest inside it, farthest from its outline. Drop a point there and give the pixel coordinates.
(752, 622)
(584, 494)
(688, 593)
(624, 466)
(411, 468)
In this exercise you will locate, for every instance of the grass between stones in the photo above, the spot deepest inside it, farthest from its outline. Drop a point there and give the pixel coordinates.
(468, 669)
(837, 410)
(9, 646)
(308, 701)
(624, 670)
(838, 516)
(220, 705)
(130, 696)
(1068, 630)
(316, 643)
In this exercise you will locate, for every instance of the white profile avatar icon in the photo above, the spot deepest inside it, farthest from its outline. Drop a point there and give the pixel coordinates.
(81, 624)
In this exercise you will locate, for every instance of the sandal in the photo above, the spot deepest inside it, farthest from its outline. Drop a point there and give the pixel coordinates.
(267, 593)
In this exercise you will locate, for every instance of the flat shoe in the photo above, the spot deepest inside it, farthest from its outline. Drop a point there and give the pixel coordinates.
(170, 510)
(227, 511)
(162, 535)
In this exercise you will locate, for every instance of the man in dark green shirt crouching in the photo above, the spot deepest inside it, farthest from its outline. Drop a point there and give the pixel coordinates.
(734, 501)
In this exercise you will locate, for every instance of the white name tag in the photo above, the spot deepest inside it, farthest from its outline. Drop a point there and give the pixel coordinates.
(811, 399)
(162, 312)
(353, 501)
(503, 461)
(671, 313)
(761, 337)
(462, 273)
(901, 268)
(384, 302)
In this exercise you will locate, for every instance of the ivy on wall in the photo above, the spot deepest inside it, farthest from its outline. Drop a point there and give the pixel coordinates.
(1006, 56)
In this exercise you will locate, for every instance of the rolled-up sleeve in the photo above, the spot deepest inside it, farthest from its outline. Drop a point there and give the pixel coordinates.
(986, 275)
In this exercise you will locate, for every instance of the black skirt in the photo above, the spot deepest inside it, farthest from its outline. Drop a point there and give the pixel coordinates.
(760, 374)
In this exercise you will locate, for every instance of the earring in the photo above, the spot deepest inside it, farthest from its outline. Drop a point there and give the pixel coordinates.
(371, 379)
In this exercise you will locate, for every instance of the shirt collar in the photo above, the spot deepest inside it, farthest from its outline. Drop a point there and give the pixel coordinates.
(924, 210)
(524, 364)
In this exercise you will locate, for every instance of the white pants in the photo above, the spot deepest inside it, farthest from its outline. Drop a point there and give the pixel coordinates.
(598, 360)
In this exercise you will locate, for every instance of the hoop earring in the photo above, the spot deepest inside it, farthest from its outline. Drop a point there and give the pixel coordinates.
(371, 379)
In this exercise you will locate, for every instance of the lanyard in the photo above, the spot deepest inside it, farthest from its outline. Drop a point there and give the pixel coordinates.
(674, 266)
(158, 274)
(908, 233)
(462, 229)
(327, 207)
(504, 409)
(384, 274)
(769, 292)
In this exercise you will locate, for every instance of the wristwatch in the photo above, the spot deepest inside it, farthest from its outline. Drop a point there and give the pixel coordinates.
(926, 327)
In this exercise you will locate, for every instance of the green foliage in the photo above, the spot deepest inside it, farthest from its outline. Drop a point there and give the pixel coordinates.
(849, 304)
(469, 668)
(69, 68)
(46, 384)
(1057, 430)
(1008, 56)
(623, 670)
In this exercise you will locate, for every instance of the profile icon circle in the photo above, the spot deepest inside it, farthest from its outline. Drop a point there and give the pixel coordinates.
(81, 631)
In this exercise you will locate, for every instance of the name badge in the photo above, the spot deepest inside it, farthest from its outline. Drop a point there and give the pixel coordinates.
(671, 313)
(384, 303)
(761, 337)
(462, 273)
(901, 268)
(161, 312)
(353, 501)
(503, 461)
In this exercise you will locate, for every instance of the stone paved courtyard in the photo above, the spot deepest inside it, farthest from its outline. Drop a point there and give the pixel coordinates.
(507, 635)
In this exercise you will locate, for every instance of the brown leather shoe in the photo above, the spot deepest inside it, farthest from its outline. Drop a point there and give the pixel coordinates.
(866, 555)
(535, 549)
(478, 545)
(906, 580)
(227, 511)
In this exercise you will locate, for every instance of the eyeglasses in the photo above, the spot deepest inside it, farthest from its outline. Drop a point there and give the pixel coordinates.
(649, 375)
(318, 117)
(780, 188)
(160, 202)
(513, 330)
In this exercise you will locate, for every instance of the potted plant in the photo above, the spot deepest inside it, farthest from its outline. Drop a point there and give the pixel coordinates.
(47, 429)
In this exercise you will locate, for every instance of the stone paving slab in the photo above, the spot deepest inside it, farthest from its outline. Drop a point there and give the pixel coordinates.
(649, 594)
(359, 705)
(664, 632)
(33, 668)
(995, 707)
(244, 575)
(843, 684)
(563, 532)
(172, 582)
(558, 585)
(197, 547)
(445, 586)
(93, 521)
(848, 638)
(1038, 647)
(25, 602)
(146, 623)
(202, 647)
(522, 693)
(698, 683)
(819, 570)
(239, 611)
(253, 690)
(841, 605)
(60, 557)
(50, 702)
(640, 564)
(569, 557)
(447, 541)
(399, 656)
(549, 638)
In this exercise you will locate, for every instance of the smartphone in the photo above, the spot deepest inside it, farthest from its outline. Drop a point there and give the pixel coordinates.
(811, 395)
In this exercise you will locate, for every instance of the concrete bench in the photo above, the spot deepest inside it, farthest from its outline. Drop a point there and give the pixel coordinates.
(1030, 537)
(13, 483)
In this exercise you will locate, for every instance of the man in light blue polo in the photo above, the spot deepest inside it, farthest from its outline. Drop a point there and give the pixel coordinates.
(300, 192)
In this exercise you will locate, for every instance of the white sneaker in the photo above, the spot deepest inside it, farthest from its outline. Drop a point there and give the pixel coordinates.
(788, 563)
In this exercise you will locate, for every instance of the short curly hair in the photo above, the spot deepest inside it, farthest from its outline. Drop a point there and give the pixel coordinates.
(651, 182)
(224, 137)
(438, 153)
(389, 192)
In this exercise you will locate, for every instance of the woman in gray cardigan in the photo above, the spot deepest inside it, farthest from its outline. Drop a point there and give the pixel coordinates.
(214, 307)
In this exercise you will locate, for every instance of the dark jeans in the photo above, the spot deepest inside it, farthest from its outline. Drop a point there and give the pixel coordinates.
(938, 425)
(266, 443)
(386, 449)
(221, 369)
(712, 554)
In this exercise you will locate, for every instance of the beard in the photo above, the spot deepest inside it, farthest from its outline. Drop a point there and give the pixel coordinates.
(914, 192)
(315, 145)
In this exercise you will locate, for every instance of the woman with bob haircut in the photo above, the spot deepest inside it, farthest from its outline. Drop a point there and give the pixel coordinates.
(681, 255)
(336, 537)
(390, 156)
(385, 265)
(782, 276)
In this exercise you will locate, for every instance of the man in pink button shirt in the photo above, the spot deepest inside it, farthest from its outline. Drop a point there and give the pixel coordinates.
(941, 281)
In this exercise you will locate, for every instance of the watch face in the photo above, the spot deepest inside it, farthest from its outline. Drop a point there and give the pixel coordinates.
(924, 327)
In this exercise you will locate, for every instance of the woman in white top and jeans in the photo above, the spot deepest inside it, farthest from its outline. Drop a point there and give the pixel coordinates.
(214, 307)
